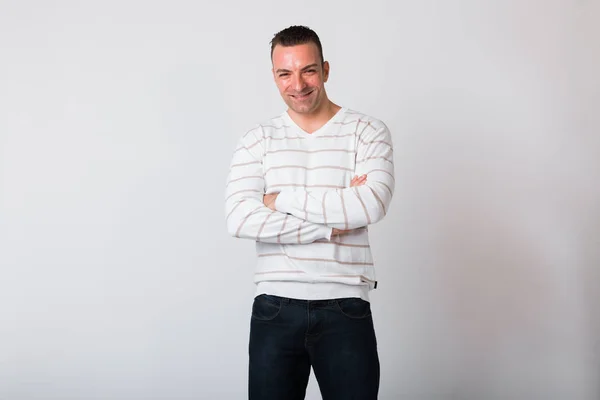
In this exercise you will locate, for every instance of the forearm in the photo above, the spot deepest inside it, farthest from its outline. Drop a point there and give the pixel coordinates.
(352, 207)
(348, 208)
(248, 218)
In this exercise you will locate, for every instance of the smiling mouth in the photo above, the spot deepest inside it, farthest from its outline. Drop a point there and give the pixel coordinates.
(302, 96)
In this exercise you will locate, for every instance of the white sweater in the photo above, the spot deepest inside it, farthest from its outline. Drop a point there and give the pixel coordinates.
(297, 256)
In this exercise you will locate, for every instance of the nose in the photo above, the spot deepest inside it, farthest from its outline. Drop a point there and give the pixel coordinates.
(298, 83)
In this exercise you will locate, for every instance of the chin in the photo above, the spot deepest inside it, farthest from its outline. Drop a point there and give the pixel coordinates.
(303, 108)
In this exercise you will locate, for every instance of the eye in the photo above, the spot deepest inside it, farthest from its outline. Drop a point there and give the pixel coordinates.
(283, 75)
(311, 71)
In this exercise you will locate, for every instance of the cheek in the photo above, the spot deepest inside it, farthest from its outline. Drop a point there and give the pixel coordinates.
(315, 82)
(281, 86)
(284, 83)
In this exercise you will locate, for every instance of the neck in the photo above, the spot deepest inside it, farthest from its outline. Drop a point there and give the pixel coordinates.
(314, 120)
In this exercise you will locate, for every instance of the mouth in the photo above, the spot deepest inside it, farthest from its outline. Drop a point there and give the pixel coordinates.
(303, 96)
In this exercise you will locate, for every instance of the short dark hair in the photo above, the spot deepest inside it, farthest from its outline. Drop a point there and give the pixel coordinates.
(295, 35)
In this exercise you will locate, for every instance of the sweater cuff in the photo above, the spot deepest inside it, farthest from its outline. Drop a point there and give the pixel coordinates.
(283, 202)
(328, 232)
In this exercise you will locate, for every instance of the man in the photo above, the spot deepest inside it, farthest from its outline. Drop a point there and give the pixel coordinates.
(305, 185)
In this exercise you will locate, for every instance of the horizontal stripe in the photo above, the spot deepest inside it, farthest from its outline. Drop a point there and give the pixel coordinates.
(360, 120)
(315, 137)
(285, 137)
(247, 147)
(382, 170)
(348, 122)
(246, 163)
(375, 141)
(275, 127)
(309, 168)
(379, 138)
(245, 177)
(374, 158)
(270, 185)
(325, 241)
(308, 151)
(335, 136)
(313, 259)
(242, 191)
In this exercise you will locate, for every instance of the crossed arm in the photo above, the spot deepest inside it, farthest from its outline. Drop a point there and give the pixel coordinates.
(270, 199)
(356, 206)
(304, 216)
(246, 214)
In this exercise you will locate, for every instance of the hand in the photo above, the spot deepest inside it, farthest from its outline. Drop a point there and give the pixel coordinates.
(356, 181)
(269, 200)
(338, 232)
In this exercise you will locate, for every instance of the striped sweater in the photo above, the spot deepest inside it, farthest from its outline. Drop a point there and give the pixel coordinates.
(297, 255)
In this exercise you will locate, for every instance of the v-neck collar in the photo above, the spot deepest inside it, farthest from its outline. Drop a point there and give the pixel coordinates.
(338, 115)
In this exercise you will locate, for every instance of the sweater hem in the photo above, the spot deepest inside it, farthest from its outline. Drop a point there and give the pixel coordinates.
(312, 291)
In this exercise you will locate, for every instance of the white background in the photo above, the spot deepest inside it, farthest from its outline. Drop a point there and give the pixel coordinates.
(118, 120)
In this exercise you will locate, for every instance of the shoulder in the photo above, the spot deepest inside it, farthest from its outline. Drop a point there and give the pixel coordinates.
(367, 124)
(276, 122)
(265, 128)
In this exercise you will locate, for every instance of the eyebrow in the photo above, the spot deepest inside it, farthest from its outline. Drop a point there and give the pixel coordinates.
(303, 69)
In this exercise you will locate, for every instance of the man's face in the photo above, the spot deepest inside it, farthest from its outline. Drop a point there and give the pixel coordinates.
(300, 76)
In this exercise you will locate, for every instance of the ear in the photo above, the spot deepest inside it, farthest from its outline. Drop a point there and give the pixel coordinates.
(325, 71)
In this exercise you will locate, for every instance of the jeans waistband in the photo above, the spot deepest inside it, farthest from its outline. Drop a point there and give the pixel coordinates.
(287, 300)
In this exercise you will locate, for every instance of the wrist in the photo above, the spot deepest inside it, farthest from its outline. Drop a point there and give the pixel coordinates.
(282, 202)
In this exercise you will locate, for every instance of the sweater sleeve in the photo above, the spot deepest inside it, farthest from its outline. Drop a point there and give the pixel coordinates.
(352, 207)
(246, 215)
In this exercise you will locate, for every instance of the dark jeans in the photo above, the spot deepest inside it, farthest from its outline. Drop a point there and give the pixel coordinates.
(335, 337)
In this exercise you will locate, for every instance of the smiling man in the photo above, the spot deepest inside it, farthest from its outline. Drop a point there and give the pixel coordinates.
(305, 185)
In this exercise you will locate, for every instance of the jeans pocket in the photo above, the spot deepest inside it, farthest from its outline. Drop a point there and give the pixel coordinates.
(354, 307)
(265, 307)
